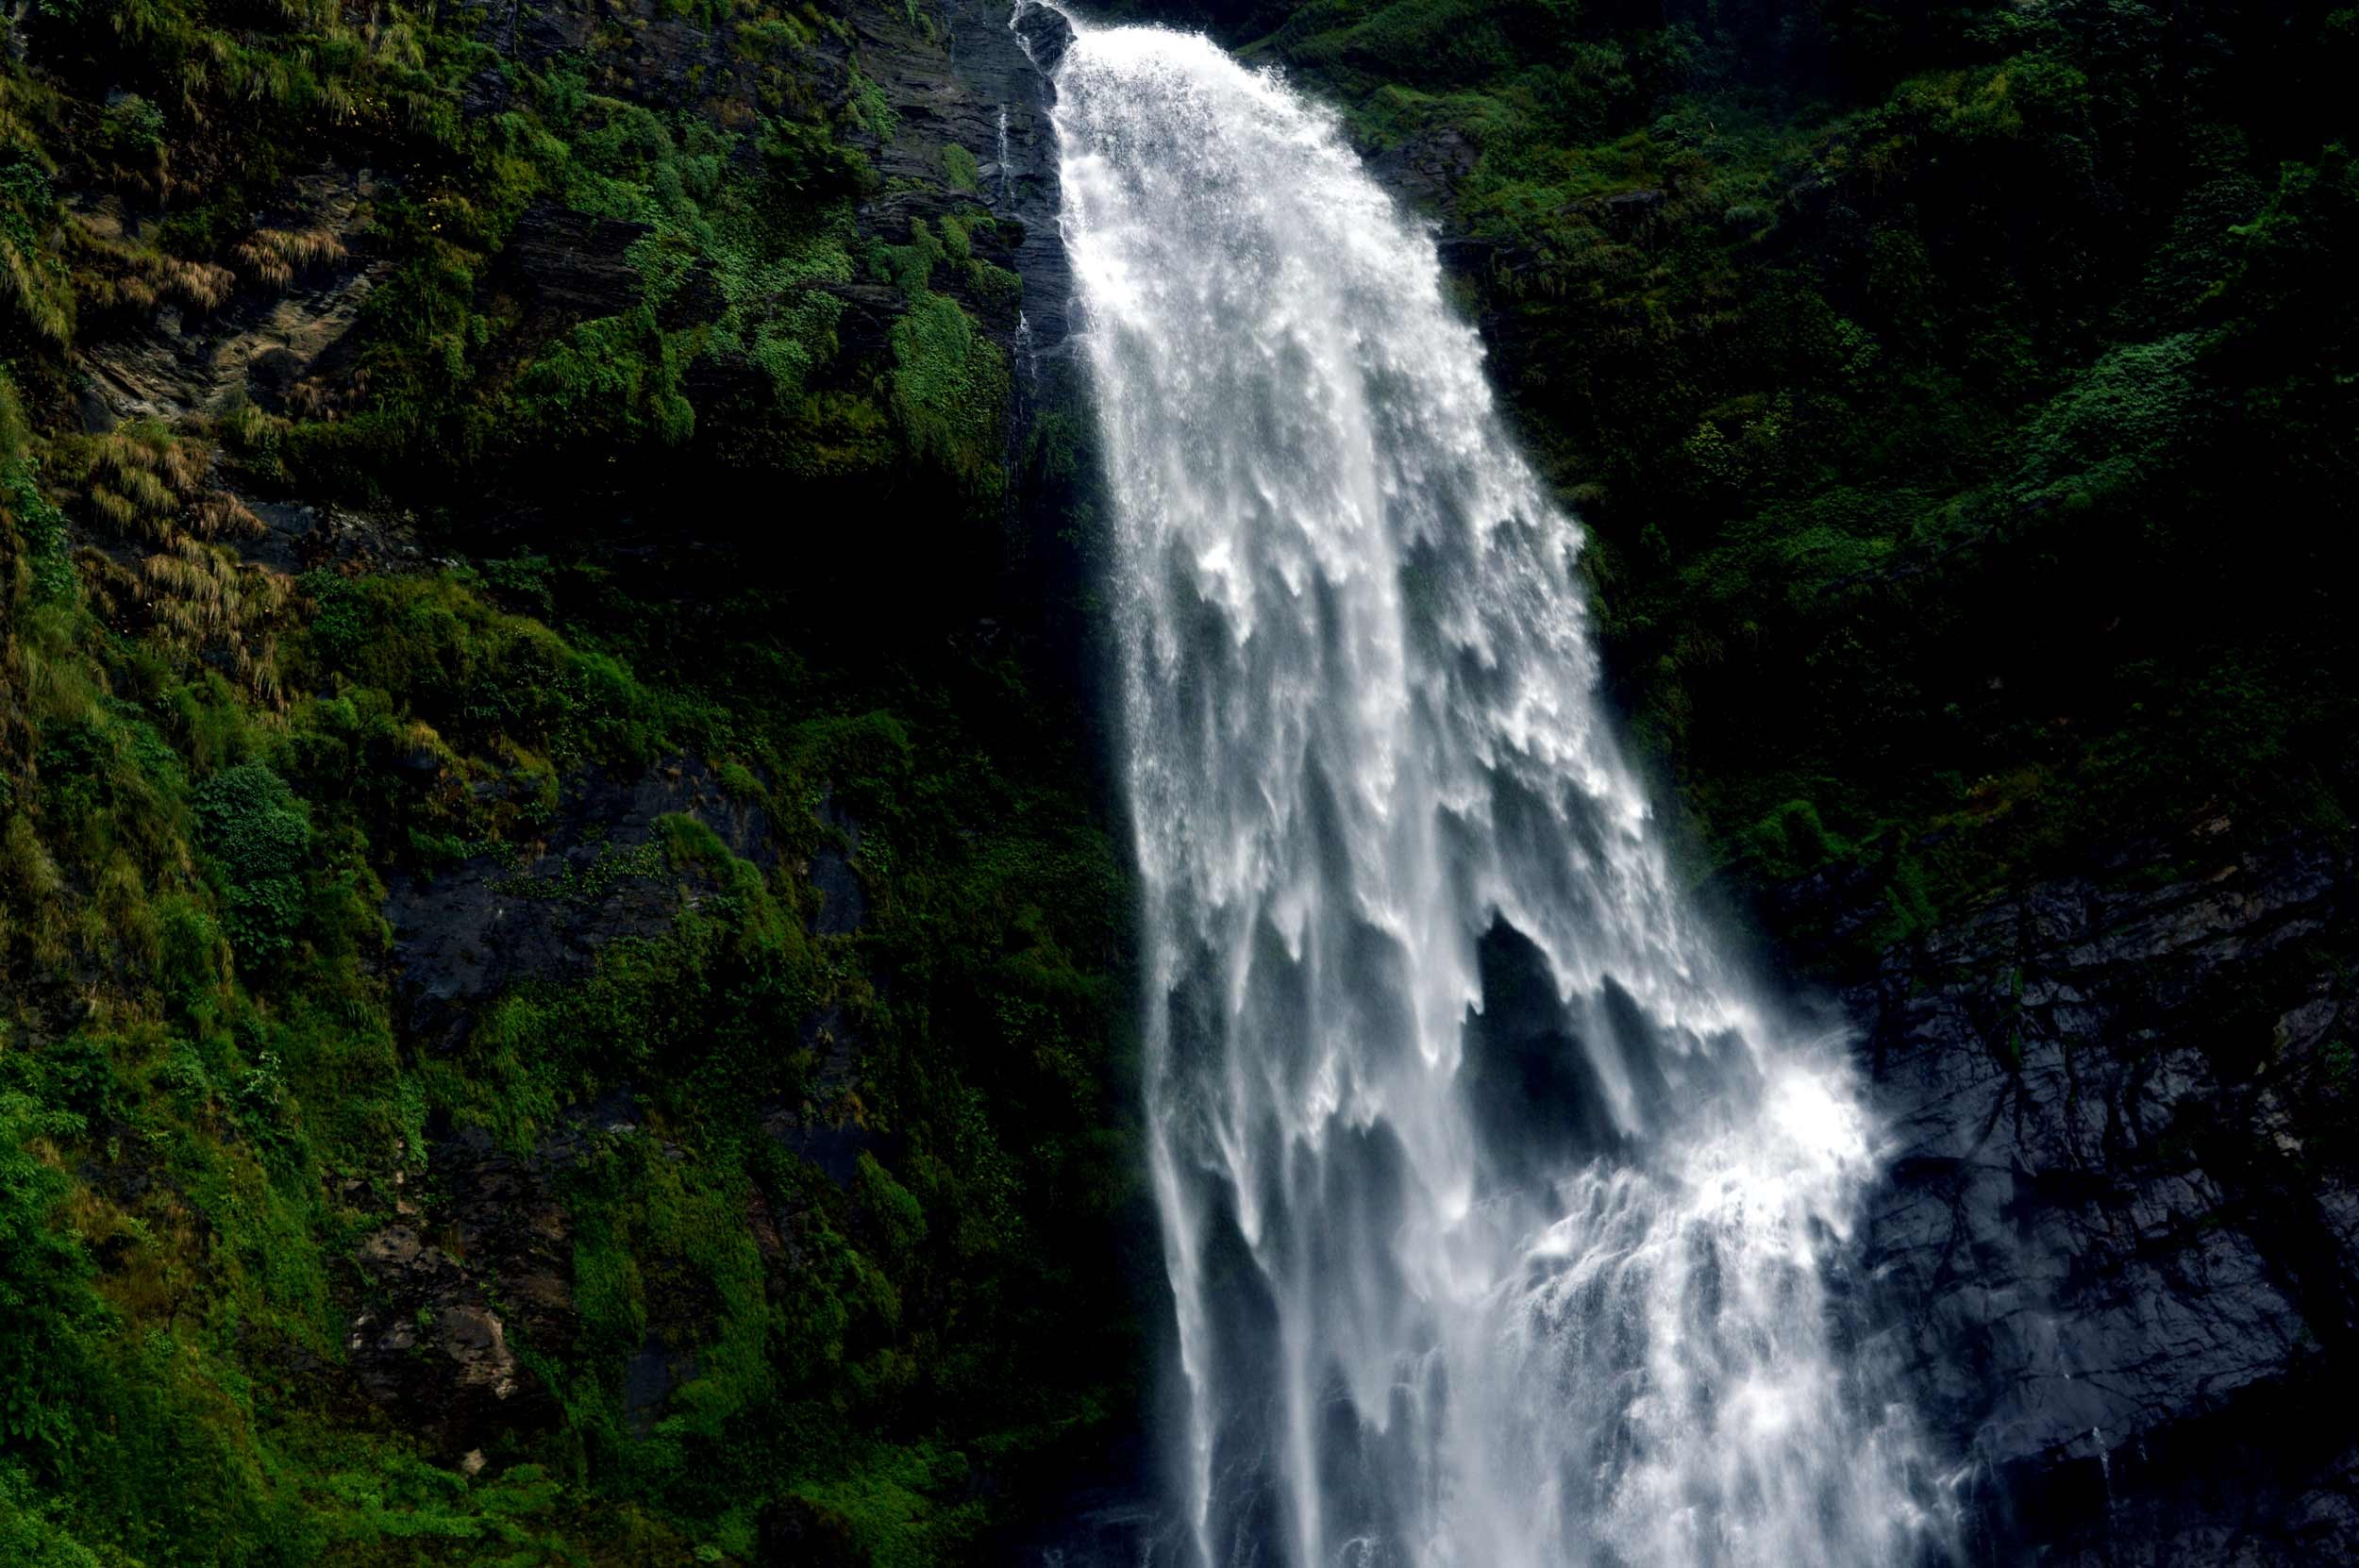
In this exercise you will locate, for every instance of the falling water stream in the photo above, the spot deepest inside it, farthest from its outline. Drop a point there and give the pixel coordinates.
(1504, 1219)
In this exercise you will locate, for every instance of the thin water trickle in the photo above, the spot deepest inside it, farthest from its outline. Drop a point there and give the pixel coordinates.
(1499, 1210)
(1007, 173)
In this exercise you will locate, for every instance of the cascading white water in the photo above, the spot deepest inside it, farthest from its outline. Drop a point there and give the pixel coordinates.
(1499, 1214)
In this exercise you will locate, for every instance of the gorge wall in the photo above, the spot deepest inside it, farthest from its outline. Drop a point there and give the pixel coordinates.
(567, 983)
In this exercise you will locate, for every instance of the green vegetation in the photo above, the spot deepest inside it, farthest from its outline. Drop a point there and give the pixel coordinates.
(1956, 397)
(820, 1263)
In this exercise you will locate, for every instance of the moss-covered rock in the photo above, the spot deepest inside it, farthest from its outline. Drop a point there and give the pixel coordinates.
(532, 1031)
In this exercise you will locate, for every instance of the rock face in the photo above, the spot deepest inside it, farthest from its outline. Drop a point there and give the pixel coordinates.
(278, 338)
(429, 1342)
(463, 936)
(2119, 1232)
(970, 81)
(569, 265)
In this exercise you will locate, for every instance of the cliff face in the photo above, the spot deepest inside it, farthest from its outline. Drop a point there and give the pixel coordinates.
(565, 969)
(2118, 1231)
(563, 966)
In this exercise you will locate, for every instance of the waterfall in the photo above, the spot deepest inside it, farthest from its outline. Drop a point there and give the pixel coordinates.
(1504, 1220)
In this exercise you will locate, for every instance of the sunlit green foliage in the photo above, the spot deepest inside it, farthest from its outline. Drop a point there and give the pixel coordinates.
(255, 829)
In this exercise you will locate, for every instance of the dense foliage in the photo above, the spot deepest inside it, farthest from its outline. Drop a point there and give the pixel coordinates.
(1958, 397)
(749, 1218)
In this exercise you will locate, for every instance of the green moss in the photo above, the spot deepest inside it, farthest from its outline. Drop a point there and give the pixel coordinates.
(950, 393)
(959, 167)
(208, 1095)
(612, 381)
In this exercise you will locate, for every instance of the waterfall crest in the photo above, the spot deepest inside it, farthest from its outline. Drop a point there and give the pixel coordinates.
(1501, 1213)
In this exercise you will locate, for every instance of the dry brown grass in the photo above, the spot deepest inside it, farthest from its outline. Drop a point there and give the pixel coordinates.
(116, 273)
(189, 591)
(274, 258)
(201, 598)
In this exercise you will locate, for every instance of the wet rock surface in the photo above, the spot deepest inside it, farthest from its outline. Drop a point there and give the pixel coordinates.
(2119, 1231)
(969, 81)
(463, 935)
(563, 267)
(476, 1263)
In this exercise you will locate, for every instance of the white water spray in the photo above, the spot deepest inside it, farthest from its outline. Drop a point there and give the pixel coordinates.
(1499, 1211)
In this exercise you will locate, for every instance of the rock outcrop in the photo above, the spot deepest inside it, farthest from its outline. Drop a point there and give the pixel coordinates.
(2119, 1231)
(466, 933)
(279, 337)
(474, 1242)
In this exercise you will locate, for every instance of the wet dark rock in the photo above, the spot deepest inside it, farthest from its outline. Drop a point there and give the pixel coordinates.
(835, 1150)
(1113, 1527)
(796, 1532)
(298, 537)
(291, 525)
(432, 1348)
(271, 375)
(2120, 1229)
(1045, 33)
(565, 266)
(466, 933)
(650, 1379)
(949, 82)
(532, 32)
(1527, 1074)
(1426, 169)
(476, 1262)
(843, 905)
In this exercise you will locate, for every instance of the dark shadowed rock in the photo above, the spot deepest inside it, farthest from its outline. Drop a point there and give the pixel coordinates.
(796, 1532)
(1527, 1074)
(1045, 33)
(968, 81)
(466, 933)
(432, 1349)
(2119, 1228)
(565, 266)
(843, 905)
(1425, 169)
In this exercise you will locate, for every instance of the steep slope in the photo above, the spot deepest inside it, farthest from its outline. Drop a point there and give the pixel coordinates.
(563, 991)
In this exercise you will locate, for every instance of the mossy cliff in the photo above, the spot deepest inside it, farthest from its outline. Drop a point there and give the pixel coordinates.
(563, 972)
(1951, 395)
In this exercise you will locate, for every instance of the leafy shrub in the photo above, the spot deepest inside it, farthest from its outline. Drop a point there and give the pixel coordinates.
(260, 837)
(609, 382)
(950, 391)
(44, 1297)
